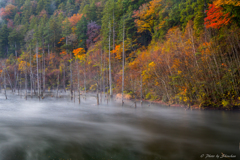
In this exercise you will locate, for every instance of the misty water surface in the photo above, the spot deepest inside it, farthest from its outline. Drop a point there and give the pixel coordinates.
(53, 129)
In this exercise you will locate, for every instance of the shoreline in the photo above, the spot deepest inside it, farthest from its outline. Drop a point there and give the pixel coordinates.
(193, 107)
(184, 106)
(116, 97)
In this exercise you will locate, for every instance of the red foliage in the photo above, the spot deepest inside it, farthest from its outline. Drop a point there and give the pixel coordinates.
(216, 18)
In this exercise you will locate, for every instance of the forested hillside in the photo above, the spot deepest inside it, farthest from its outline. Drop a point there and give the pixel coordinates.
(176, 51)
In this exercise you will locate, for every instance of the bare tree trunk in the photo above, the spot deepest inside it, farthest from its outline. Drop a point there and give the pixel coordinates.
(43, 69)
(64, 79)
(1, 82)
(135, 102)
(57, 84)
(193, 46)
(9, 80)
(48, 50)
(97, 95)
(20, 85)
(15, 78)
(113, 28)
(141, 91)
(40, 79)
(78, 82)
(85, 79)
(74, 95)
(101, 77)
(26, 81)
(4, 80)
(107, 86)
(110, 75)
(37, 71)
(111, 94)
(15, 68)
(71, 76)
(104, 76)
(31, 73)
(34, 86)
(123, 57)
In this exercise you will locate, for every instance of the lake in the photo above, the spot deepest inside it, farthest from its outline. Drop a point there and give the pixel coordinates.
(53, 129)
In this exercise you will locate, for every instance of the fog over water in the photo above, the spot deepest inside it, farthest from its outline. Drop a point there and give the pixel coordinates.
(59, 129)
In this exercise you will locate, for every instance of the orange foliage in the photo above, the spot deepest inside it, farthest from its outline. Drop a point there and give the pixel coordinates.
(78, 52)
(118, 52)
(216, 18)
(75, 18)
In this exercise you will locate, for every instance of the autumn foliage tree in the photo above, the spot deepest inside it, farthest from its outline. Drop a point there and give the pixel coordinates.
(147, 16)
(8, 11)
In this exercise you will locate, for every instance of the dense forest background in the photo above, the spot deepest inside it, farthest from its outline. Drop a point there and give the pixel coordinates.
(176, 51)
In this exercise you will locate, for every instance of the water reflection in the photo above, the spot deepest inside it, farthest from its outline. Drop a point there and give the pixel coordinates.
(50, 129)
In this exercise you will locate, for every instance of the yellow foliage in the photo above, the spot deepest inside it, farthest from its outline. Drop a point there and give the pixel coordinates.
(179, 72)
(23, 65)
(152, 65)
